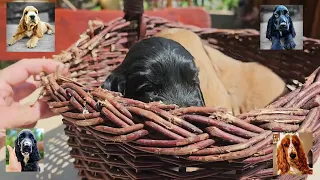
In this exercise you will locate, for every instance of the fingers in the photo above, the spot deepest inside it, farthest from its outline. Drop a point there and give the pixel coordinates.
(23, 69)
(25, 89)
(22, 116)
(12, 155)
(14, 165)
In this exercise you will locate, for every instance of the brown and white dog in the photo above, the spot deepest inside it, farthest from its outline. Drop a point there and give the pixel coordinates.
(31, 26)
(227, 82)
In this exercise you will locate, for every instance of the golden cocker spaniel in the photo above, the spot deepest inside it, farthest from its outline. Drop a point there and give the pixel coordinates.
(31, 26)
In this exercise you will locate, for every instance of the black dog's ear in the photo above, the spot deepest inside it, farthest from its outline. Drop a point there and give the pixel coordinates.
(115, 82)
(269, 28)
(291, 28)
(35, 155)
(274, 10)
(17, 150)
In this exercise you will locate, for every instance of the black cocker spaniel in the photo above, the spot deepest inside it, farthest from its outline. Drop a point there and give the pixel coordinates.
(27, 151)
(280, 26)
(158, 69)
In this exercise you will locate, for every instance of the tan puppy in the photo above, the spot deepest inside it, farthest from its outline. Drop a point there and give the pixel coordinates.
(30, 26)
(249, 85)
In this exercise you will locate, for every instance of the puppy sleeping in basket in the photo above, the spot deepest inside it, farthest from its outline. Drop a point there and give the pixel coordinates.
(176, 67)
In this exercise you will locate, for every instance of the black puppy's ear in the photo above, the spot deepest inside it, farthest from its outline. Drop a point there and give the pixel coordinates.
(274, 10)
(269, 28)
(17, 150)
(115, 82)
(35, 155)
(291, 28)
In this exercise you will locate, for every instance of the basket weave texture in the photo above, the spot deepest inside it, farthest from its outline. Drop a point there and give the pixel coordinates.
(113, 137)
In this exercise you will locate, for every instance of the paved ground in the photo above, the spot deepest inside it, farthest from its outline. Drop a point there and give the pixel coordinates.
(45, 44)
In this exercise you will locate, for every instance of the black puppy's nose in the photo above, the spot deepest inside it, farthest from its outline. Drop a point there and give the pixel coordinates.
(32, 17)
(292, 155)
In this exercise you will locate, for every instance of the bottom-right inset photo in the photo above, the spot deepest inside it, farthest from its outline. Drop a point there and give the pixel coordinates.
(292, 153)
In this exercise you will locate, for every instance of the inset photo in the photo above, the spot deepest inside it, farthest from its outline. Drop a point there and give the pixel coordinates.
(30, 27)
(292, 153)
(281, 27)
(25, 150)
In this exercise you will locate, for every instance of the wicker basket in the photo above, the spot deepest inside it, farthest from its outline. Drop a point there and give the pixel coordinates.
(113, 137)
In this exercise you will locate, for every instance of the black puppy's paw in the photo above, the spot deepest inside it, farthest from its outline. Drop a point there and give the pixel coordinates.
(277, 46)
(290, 44)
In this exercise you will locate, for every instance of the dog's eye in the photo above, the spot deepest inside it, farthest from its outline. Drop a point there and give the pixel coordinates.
(26, 13)
(276, 15)
(286, 145)
(36, 12)
(287, 14)
(145, 88)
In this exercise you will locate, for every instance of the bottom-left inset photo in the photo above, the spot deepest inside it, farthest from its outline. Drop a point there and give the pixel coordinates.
(25, 150)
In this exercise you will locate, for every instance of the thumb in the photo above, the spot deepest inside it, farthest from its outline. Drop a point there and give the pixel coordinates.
(12, 153)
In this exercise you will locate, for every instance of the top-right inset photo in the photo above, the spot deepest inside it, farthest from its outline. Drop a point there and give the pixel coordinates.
(281, 27)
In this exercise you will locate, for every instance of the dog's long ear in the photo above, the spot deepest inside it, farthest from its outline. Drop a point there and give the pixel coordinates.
(291, 28)
(270, 27)
(22, 24)
(35, 155)
(17, 150)
(282, 159)
(38, 28)
(115, 82)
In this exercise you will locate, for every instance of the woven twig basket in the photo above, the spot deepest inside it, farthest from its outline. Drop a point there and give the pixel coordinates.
(113, 137)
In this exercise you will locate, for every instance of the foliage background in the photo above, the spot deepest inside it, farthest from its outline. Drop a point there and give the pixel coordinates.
(12, 136)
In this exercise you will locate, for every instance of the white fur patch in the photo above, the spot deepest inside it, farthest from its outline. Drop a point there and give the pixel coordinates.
(25, 158)
(49, 31)
(29, 33)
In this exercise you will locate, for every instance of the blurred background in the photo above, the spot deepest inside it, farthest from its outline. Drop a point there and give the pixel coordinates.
(12, 135)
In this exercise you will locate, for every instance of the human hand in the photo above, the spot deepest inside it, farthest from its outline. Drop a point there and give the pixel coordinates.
(14, 165)
(16, 83)
(2, 137)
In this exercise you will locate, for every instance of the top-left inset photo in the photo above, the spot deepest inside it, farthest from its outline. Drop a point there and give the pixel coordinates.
(30, 27)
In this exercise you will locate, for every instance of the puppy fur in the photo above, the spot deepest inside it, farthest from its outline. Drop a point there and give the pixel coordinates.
(248, 85)
(157, 69)
(30, 27)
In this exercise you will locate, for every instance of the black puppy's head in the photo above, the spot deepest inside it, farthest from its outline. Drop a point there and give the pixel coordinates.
(26, 146)
(158, 69)
(281, 18)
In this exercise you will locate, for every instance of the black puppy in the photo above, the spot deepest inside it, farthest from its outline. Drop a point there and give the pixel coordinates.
(158, 69)
(27, 151)
(280, 26)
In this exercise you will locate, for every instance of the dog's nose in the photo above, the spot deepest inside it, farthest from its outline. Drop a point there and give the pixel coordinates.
(292, 155)
(32, 17)
(283, 25)
(27, 143)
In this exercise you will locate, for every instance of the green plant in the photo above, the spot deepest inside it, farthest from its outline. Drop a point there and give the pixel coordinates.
(4, 64)
(228, 4)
